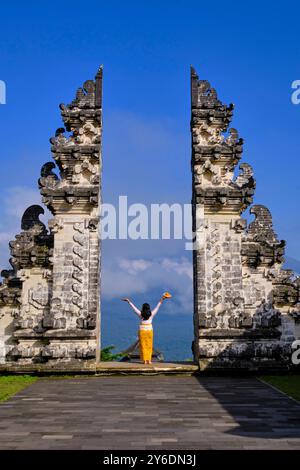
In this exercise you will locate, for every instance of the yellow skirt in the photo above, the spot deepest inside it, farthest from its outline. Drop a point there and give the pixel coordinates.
(146, 344)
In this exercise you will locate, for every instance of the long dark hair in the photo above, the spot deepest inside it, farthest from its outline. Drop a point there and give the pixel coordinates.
(146, 312)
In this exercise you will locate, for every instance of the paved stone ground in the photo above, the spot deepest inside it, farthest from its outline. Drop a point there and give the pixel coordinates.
(150, 413)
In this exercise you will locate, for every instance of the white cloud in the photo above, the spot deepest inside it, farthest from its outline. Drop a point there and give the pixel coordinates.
(181, 267)
(134, 266)
(128, 277)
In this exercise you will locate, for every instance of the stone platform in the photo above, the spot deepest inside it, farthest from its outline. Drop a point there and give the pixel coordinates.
(104, 368)
(156, 368)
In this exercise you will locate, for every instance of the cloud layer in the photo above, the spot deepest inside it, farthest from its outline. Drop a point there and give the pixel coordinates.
(145, 278)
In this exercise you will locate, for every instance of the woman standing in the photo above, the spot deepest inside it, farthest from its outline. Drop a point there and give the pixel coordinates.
(146, 330)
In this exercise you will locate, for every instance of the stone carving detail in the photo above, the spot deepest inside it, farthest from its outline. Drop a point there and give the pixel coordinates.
(245, 178)
(45, 298)
(242, 295)
(261, 246)
(207, 135)
(38, 297)
(33, 246)
(266, 316)
(262, 227)
(286, 293)
(216, 152)
(78, 264)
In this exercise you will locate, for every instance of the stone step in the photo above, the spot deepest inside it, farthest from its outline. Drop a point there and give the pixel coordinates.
(156, 368)
(103, 368)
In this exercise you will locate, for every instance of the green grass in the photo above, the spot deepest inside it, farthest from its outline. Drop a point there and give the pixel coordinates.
(289, 384)
(11, 384)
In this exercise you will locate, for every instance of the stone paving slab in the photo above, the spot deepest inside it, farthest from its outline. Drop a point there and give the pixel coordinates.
(155, 412)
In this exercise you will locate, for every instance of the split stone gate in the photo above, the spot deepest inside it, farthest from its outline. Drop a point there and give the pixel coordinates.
(246, 306)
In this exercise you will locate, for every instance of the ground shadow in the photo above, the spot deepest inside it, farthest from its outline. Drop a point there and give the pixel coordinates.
(258, 410)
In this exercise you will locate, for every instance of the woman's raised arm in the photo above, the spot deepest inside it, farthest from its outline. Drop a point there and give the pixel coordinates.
(155, 310)
(134, 308)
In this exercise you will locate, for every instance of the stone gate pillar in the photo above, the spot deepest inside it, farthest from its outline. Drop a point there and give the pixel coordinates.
(238, 321)
(73, 197)
(50, 299)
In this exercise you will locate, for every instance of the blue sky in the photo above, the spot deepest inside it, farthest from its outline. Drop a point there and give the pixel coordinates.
(249, 51)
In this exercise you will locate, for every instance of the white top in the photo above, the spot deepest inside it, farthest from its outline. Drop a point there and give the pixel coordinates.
(146, 324)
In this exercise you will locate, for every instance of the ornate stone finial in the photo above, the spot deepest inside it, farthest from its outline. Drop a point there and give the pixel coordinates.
(245, 178)
(87, 97)
(76, 149)
(48, 178)
(98, 88)
(7, 273)
(46, 170)
(30, 219)
(216, 151)
(32, 247)
(205, 96)
(262, 227)
(261, 247)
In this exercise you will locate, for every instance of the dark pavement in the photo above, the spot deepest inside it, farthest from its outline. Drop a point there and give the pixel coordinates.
(156, 412)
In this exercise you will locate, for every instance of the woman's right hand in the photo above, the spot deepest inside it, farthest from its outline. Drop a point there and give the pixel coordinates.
(126, 300)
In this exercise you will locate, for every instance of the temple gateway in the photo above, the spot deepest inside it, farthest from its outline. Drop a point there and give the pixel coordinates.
(246, 306)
